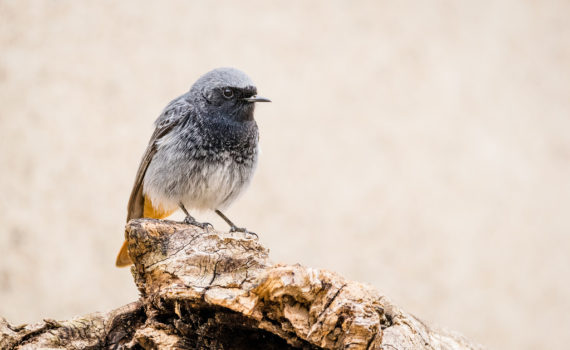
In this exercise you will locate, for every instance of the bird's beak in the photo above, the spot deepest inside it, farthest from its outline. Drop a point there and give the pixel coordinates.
(256, 98)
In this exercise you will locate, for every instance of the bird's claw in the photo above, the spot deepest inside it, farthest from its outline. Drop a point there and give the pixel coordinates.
(244, 230)
(203, 225)
(206, 226)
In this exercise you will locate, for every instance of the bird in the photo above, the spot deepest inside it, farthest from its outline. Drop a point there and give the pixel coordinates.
(202, 154)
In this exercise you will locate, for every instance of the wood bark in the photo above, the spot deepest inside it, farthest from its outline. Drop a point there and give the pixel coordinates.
(204, 289)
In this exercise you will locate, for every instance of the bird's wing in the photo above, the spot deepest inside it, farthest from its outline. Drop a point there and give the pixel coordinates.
(174, 113)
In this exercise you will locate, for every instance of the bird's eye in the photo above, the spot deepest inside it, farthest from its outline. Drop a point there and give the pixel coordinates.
(228, 93)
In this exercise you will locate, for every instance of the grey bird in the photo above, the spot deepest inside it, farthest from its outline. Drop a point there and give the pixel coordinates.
(202, 154)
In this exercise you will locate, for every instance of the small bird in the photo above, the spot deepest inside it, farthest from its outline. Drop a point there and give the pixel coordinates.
(202, 154)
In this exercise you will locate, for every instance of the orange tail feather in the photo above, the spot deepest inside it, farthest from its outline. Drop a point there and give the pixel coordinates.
(123, 258)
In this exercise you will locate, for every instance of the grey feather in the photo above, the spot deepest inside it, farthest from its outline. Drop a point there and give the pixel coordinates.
(203, 151)
(170, 116)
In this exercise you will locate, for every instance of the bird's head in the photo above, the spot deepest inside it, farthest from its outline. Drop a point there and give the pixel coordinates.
(226, 92)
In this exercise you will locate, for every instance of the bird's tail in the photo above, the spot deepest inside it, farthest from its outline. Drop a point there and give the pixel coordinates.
(149, 211)
(123, 258)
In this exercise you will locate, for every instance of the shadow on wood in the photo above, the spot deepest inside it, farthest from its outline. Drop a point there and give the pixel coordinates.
(213, 290)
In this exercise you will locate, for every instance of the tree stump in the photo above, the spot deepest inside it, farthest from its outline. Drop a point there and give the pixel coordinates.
(204, 289)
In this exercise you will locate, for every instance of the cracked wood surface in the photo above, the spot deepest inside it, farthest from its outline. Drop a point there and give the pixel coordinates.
(213, 290)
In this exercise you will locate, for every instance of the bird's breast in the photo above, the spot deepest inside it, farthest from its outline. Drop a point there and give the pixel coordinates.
(199, 177)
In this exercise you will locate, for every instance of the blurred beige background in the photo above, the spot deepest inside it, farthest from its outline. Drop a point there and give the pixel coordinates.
(422, 147)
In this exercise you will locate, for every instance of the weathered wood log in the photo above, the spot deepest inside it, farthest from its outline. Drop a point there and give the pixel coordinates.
(213, 290)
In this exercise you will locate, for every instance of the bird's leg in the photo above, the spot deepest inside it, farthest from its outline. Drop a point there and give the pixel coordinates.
(191, 221)
(233, 227)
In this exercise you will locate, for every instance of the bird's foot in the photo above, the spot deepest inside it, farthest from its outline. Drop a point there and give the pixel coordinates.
(244, 230)
(189, 220)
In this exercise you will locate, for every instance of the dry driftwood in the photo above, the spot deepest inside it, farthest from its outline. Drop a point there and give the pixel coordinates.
(214, 290)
